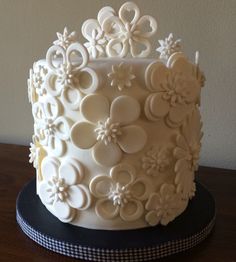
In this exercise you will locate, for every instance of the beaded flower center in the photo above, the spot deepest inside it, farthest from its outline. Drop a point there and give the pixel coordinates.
(108, 131)
(65, 75)
(58, 189)
(120, 195)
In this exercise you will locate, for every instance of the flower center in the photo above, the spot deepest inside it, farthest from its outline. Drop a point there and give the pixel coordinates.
(175, 90)
(49, 127)
(120, 195)
(108, 131)
(65, 74)
(59, 189)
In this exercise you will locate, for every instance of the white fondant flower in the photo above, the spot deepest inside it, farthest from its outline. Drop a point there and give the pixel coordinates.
(51, 128)
(187, 154)
(65, 39)
(120, 194)
(175, 90)
(121, 76)
(156, 161)
(168, 47)
(36, 82)
(69, 75)
(109, 130)
(34, 152)
(61, 188)
(164, 206)
(92, 31)
(127, 34)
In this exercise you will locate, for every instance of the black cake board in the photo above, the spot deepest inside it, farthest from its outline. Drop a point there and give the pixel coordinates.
(138, 245)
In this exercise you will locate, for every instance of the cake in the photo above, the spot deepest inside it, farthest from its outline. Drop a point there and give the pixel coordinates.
(117, 135)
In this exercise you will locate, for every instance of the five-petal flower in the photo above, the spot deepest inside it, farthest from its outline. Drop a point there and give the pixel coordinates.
(186, 152)
(51, 129)
(109, 129)
(175, 90)
(69, 75)
(61, 189)
(129, 34)
(164, 206)
(120, 194)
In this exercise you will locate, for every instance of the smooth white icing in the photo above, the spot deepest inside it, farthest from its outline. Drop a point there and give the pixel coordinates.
(116, 140)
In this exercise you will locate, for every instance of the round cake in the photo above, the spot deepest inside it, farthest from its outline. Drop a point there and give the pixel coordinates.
(117, 135)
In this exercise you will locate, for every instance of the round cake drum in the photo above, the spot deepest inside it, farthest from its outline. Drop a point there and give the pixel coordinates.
(185, 232)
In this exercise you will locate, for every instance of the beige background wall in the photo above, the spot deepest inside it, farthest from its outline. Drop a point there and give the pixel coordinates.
(28, 28)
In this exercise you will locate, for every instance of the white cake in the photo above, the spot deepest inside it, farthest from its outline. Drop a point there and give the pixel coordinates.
(116, 134)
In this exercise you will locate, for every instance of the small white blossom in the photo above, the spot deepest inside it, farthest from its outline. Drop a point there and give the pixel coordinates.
(65, 39)
(168, 47)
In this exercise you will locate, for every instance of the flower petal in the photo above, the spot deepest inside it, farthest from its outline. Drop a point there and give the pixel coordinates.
(100, 186)
(123, 174)
(77, 55)
(140, 189)
(152, 218)
(140, 47)
(117, 47)
(125, 110)
(45, 193)
(62, 128)
(71, 98)
(142, 24)
(53, 86)
(56, 146)
(125, 13)
(107, 155)
(49, 168)
(152, 202)
(95, 108)
(158, 106)
(181, 165)
(178, 113)
(83, 135)
(51, 107)
(88, 27)
(155, 75)
(76, 197)
(131, 211)
(88, 80)
(133, 139)
(105, 13)
(113, 27)
(71, 171)
(55, 57)
(62, 210)
(105, 209)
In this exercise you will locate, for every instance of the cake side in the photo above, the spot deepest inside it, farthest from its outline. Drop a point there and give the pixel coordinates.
(116, 140)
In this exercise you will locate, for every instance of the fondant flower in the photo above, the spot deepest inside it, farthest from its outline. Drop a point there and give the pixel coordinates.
(175, 90)
(126, 34)
(109, 130)
(168, 47)
(156, 161)
(69, 75)
(61, 188)
(34, 152)
(186, 152)
(92, 31)
(51, 128)
(36, 82)
(164, 206)
(121, 76)
(65, 39)
(120, 194)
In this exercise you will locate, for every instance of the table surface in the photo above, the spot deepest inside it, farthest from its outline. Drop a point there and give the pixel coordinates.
(15, 171)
